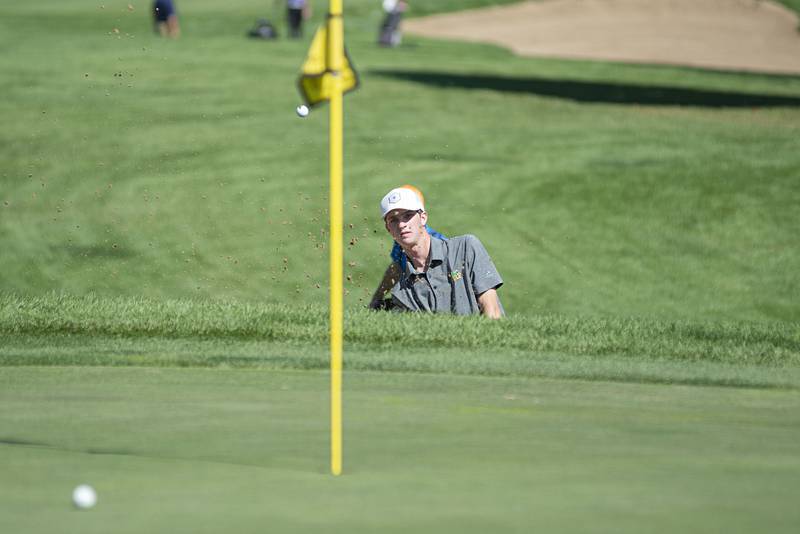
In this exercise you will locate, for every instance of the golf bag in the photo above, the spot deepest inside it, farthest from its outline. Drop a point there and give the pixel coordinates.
(263, 30)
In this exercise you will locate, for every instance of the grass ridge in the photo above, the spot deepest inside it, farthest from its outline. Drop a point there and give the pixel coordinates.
(734, 342)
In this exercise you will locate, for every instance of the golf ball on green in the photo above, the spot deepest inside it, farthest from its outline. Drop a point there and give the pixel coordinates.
(302, 110)
(84, 496)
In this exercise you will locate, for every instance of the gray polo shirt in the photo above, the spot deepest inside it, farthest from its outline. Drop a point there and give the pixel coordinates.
(459, 270)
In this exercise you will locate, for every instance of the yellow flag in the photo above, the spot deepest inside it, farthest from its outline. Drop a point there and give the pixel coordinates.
(315, 78)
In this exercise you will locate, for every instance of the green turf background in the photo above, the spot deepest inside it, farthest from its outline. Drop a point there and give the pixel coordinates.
(138, 166)
(163, 285)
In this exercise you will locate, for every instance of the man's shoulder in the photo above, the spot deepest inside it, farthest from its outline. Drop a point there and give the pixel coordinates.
(465, 246)
(466, 240)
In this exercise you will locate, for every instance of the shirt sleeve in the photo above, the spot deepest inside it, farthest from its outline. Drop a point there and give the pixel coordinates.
(483, 275)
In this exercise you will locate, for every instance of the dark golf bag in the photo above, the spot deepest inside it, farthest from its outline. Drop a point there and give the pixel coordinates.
(263, 30)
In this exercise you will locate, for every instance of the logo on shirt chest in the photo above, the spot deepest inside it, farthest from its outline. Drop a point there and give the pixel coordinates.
(455, 276)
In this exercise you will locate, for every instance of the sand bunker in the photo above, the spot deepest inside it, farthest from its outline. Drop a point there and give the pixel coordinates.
(748, 35)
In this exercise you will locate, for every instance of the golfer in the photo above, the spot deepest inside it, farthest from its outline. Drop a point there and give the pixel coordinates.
(398, 264)
(440, 276)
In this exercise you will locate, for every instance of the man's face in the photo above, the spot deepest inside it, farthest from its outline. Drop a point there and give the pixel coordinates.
(406, 226)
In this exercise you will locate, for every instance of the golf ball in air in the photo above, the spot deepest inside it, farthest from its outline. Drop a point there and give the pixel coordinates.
(84, 496)
(302, 110)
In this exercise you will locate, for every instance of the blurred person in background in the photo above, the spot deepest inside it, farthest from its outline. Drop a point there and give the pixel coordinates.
(296, 12)
(165, 19)
(390, 34)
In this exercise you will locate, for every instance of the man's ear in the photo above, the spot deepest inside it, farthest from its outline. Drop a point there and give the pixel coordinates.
(423, 217)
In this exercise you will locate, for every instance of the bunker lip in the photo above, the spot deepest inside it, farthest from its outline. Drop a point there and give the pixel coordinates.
(735, 35)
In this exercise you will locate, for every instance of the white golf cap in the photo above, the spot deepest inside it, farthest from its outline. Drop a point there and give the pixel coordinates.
(401, 199)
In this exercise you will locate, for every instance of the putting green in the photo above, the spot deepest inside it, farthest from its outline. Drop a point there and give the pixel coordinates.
(206, 450)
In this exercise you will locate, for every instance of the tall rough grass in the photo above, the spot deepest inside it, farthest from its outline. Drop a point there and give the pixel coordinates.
(749, 343)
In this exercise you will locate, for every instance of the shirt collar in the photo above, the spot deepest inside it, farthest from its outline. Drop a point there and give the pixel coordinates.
(435, 256)
(437, 251)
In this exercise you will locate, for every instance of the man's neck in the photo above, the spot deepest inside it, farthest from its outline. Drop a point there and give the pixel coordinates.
(418, 252)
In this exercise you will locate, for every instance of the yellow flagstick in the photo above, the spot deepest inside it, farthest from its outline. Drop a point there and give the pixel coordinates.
(336, 51)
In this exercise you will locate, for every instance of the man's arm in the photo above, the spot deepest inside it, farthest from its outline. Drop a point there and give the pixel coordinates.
(390, 278)
(490, 304)
(484, 278)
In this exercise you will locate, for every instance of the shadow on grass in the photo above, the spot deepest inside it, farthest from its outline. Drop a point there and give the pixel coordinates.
(594, 92)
